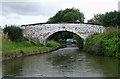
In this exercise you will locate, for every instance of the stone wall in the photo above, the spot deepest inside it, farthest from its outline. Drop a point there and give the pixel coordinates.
(42, 32)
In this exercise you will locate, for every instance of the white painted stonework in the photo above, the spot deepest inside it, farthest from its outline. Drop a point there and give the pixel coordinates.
(42, 32)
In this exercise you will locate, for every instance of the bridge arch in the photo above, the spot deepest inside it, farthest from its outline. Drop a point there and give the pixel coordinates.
(41, 32)
(64, 31)
(50, 36)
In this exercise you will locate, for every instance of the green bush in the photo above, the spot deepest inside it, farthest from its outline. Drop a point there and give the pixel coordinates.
(106, 44)
(53, 44)
(14, 33)
(79, 41)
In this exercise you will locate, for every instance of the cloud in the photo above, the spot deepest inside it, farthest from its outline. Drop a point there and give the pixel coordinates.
(19, 13)
(37, 11)
(28, 8)
(14, 19)
(119, 6)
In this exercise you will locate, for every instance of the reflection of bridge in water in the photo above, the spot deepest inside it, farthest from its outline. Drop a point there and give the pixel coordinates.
(41, 32)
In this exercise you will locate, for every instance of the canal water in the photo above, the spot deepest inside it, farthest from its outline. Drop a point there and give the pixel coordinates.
(65, 62)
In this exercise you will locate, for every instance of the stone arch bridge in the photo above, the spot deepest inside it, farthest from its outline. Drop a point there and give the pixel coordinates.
(41, 32)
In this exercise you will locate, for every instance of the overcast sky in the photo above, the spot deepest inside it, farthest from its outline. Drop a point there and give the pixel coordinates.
(20, 12)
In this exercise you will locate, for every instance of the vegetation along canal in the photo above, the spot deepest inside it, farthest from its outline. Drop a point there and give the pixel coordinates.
(65, 62)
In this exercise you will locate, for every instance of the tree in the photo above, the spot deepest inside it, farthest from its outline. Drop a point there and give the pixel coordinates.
(108, 19)
(67, 15)
(111, 19)
(118, 19)
(14, 33)
(98, 19)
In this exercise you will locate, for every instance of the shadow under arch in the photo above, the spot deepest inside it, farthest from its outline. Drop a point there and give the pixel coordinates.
(71, 33)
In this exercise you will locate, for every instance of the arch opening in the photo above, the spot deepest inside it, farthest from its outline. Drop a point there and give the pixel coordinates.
(66, 37)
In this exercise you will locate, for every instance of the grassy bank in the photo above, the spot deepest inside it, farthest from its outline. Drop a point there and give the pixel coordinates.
(53, 44)
(106, 44)
(10, 48)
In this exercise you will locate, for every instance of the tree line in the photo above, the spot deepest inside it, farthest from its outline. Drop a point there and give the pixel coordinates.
(109, 19)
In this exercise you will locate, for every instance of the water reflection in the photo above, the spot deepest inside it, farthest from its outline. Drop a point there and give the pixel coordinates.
(69, 62)
(12, 68)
